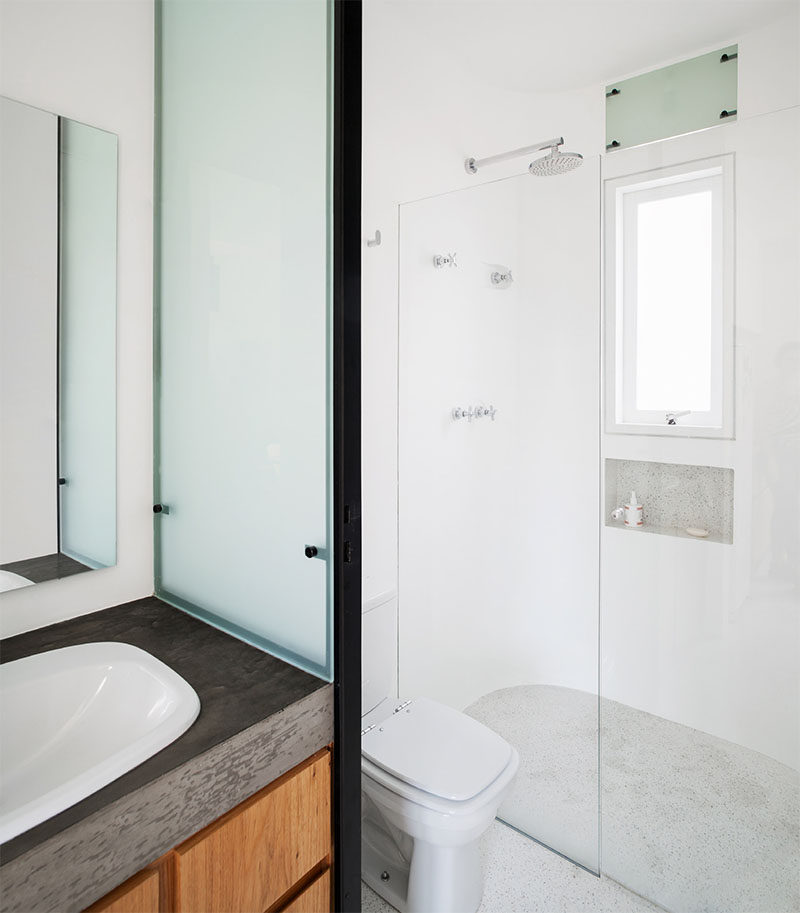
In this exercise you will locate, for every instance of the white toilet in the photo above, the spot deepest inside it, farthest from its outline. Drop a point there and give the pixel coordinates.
(432, 780)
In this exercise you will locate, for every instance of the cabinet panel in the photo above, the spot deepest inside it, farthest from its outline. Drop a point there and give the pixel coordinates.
(252, 856)
(137, 895)
(316, 898)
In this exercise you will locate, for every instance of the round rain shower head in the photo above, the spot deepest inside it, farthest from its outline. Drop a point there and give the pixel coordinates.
(555, 162)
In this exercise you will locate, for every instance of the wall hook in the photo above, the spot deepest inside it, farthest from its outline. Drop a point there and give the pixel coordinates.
(376, 241)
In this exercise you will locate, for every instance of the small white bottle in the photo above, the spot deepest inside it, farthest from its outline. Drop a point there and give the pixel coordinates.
(633, 511)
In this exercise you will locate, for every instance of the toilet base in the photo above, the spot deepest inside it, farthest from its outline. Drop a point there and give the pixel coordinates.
(436, 879)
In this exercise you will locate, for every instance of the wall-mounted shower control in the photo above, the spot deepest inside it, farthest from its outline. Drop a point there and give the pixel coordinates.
(478, 412)
(442, 260)
(501, 278)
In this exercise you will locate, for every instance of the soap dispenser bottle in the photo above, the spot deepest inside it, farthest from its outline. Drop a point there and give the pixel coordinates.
(633, 511)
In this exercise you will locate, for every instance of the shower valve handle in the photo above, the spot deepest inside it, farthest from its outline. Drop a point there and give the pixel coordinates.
(442, 260)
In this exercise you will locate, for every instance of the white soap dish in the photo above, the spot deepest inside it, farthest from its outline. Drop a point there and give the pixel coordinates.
(697, 532)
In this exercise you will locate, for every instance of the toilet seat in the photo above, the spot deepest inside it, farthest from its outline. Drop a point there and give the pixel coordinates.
(407, 795)
(424, 747)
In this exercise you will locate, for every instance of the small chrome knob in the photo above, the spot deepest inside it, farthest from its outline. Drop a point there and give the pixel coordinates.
(442, 260)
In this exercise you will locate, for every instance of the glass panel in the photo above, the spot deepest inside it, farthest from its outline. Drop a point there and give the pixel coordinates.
(686, 96)
(700, 644)
(673, 306)
(244, 398)
(87, 351)
(497, 596)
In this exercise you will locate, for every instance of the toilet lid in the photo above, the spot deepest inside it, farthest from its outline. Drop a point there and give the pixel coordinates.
(437, 749)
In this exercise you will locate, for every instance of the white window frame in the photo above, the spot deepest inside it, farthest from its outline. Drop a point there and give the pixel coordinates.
(622, 197)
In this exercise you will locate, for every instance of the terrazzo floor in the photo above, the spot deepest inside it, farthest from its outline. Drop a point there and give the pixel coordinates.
(521, 876)
(688, 819)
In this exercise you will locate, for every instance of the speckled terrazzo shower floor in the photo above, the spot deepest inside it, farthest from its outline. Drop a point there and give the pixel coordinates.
(691, 820)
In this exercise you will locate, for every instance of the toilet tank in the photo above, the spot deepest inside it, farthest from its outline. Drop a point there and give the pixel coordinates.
(378, 650)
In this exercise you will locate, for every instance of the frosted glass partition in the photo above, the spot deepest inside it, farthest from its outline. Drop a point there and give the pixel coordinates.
(700, 646)
(497, 597)
(680, 98)
(87, 350)
(243, 390)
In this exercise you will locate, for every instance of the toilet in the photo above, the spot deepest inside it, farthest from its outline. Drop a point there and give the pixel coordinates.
(432, 780)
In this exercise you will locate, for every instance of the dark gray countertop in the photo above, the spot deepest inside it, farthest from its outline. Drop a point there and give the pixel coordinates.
(245, 732)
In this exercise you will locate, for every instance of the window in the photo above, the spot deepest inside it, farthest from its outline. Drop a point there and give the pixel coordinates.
(669, 302)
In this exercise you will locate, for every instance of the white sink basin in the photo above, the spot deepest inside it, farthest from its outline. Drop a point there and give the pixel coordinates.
(11, 581)
(74, 719)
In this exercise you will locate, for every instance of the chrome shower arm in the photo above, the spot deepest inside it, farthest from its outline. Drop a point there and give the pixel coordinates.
(471, 165)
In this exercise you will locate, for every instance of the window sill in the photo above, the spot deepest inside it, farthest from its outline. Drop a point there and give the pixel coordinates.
(672, 431)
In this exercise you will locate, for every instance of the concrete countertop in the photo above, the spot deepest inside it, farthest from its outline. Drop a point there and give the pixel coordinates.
(259, 717)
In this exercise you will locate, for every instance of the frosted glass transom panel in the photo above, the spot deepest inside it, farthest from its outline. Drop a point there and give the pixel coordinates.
(681, 98)
(244, 392)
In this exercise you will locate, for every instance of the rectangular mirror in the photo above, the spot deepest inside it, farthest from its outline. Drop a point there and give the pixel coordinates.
(58, 282)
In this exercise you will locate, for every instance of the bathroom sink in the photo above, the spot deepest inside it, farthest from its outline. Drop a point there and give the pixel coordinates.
(74, 719)
(11, 581)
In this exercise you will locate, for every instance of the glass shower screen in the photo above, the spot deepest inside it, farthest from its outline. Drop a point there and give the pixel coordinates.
(498, 442)
(243, 419)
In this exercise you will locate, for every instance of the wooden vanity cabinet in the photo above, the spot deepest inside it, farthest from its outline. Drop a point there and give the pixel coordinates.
(271, 853)
(139, 894)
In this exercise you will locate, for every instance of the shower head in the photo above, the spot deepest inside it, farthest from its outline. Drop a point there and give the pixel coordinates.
(555, 162)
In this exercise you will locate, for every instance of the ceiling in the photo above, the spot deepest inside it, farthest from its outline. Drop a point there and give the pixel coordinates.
(559, 45)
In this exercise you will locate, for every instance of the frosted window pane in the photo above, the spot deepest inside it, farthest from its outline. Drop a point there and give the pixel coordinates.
(674, 304)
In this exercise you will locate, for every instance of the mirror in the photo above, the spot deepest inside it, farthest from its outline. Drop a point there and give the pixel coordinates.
(58, 282)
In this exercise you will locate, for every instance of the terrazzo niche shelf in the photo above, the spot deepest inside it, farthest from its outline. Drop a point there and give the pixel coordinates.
(674, 496)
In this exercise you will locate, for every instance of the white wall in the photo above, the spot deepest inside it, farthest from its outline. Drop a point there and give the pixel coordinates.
(93, 62)
(423, 115)
(498, 537)
(28, 320)
(702, 633)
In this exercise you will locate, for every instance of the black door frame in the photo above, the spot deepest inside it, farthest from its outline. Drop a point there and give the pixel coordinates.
(347, 453)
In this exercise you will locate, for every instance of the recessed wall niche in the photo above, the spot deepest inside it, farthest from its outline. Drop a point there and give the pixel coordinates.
(674, 497)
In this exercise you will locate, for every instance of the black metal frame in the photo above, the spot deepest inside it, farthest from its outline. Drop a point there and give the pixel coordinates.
(347, 453)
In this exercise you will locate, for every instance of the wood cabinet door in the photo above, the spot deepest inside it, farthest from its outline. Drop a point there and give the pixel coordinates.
(139, 894)
(252, 856)
(316, 898)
